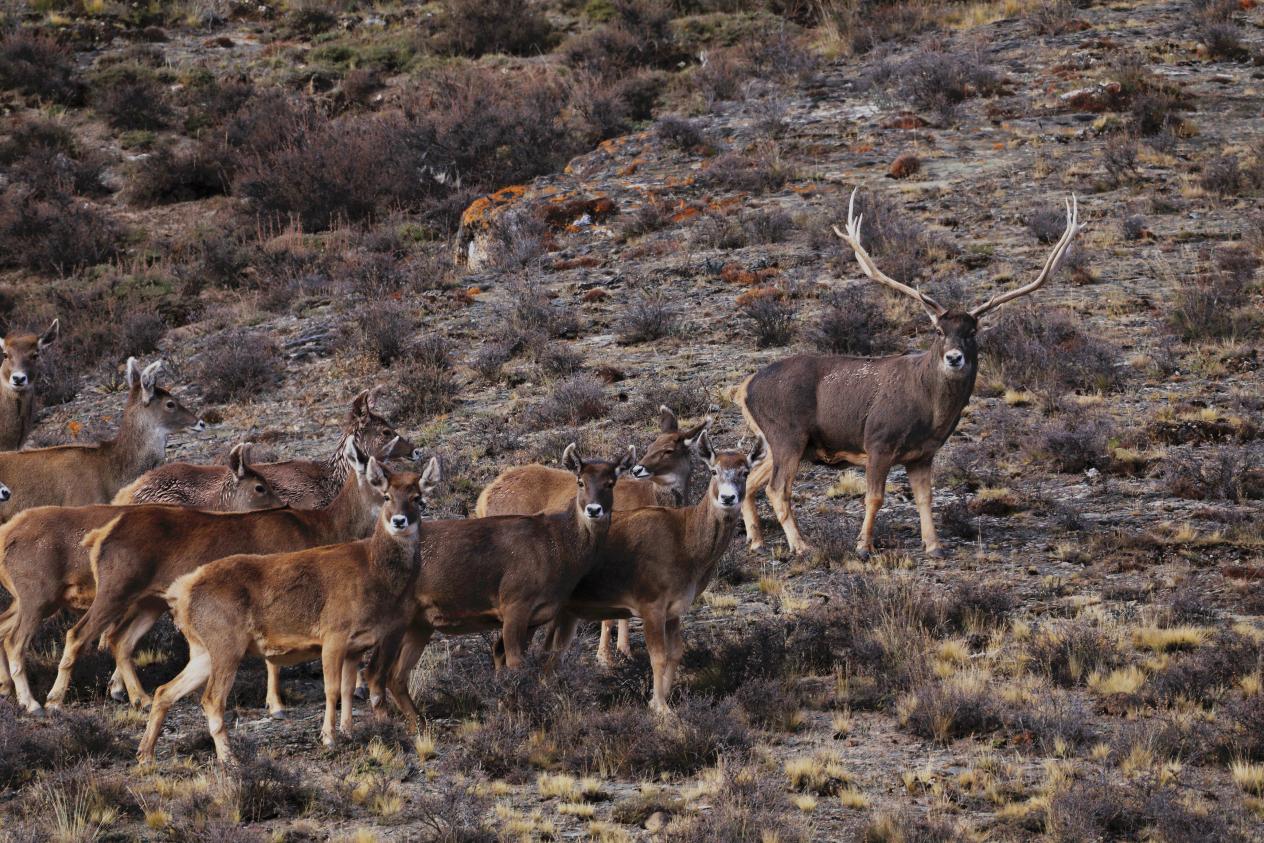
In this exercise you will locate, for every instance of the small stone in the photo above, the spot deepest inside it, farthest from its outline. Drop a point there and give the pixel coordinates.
(655, 822)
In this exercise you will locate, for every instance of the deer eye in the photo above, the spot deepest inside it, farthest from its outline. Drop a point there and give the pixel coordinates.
(259, 489)
(171, 405)
(34, 355)
(579, 483)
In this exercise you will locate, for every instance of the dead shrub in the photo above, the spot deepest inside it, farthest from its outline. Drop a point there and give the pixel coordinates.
(864, 26)
(1202, 675)
(167, 175)
(1069, 655)
(386, 327)
(897, 240)
(1047, 351)
(1223, 41)
(853, 322)
(476, 27)
(428, 385)
(131, 98)
(1222, 176)
(771, 317)
(1101, 806)
(1226, 472)
(573, 401)
(1071, 444)
(639, 34)
(747, 808)
(36, 65)
(1051, 17)
(649, 316)
(1213, 302)
(945, 711)
(53, 234)
(757, 173)
(1119, 158)
(238, 366)
(45, 156)
(941, 81)
(679, 132)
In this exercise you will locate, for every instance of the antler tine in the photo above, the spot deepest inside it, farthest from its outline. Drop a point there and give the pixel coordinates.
(852, 238)
(1073, 227)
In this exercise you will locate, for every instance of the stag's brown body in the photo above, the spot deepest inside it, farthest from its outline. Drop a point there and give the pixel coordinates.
(18, 375)
(304, 484)
(332, 602)
(654, 564)
(76, 475)
(661, 479)
(875, 412)
(137, 556)
(506, 572)
(45, 567)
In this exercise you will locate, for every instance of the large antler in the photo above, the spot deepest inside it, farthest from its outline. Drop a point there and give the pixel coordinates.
(1073, 228)
(852, 238)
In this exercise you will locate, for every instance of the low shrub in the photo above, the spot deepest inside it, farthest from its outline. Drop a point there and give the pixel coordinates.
(771, 315)
(239, 366)
(131, 98)
(37, 65)
(853, 322)
(476, 27)
(649, 316)
(573, 401)
(53, 234)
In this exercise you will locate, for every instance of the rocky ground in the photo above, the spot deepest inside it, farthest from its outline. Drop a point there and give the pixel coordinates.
(1085, 663)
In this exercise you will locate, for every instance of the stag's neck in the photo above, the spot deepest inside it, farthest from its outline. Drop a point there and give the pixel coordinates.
(948, 396)
(138, 447)
(336, 466)
(708, 532)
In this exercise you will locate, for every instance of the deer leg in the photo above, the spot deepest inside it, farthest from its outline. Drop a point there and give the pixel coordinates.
(779, 487)
(605, 658)
(6, 622)
(188, 680)
(214, 701)
(921, 478)
(350, 667)
(22, 629)
(399, 664)
(515, 633)
(876, 471)
(656, 642)
(675, 652)
(758, 479)
(332, 654)
(276, 704)
(625, 638)
(89, 628)
(125, 645)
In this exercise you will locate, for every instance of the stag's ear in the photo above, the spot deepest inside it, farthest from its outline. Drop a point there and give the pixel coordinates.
(758, 451)
(691, 436)
(626, 464)
(50, 336)
(705, 450)
(149, 380)
(667, 422)
(360, 406)
(237, 459)
(376, 476)
(933, 314)
(430, 477)
(132, 373)
(571, 459)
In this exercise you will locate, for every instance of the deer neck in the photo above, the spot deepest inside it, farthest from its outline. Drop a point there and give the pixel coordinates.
(336, 467)
(349, 516)
(139, 445)
(587, 535)
(708, 531)
(392, 557)
(674, 486)
(948, 396)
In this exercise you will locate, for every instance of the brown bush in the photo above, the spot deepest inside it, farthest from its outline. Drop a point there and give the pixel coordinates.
(238, 366)
(853, 322)
(1213, 301)
(54, 234)
(36, 65)
(475, 27)
(130, 97)
(167, 175)
(1047, 351)
(45, 155)
(573, 401)
(428, 384)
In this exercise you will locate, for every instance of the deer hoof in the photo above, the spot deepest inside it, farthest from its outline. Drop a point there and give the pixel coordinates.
(936, 553)
(361, 692)
(863, 554)
(279, 714)
(37, 710)
(327, 739)
(118, 694)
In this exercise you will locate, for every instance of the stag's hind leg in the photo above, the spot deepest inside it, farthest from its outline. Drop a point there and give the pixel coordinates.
(758, 479)
(785, 467)
(921, 477)
(21, 630)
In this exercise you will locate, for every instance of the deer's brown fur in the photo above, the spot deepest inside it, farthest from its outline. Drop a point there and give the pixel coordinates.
(18, 376)
(331, 602)
(304, 484)
(76, 475)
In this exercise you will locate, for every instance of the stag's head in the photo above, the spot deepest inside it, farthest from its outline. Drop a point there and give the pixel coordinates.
(21, 357)
(957, 345)
(373, 433)
(595, 479)
(403, 495)
(729, 472)
(670, 455)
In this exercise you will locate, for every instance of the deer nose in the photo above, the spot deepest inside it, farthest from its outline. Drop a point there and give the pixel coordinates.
(955, 359)
(416, 454)
(594, 510)
(17, 379)
(728, 500)
(199, 427)
(399, 522)
(5, 494)
(639, 470)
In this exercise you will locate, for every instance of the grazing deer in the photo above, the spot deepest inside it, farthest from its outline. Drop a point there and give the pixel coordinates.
(332, 602)
(17, 384)
(304, 484)
(876, 412)
(144, 549)
(660, 478)
(76, 475)
(505, 572)
(656, 561)
(44, 566)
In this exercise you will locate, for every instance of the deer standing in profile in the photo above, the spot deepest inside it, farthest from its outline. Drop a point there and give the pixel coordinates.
(137, 555)
(333, 603)
(303, 484)
(18, 374)
(656, 561)
(76, 475)
(872, 411)
(660, 478)
(510, 573)
(44, 566)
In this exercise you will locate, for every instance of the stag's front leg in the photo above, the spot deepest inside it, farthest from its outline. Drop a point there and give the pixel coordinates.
(876, 470)
(921, 477)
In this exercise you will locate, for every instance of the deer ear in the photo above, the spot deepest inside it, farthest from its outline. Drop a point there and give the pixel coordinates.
(237, 459)
(757, 452)
(149, 379)
(356, 458)
(360, 406)
(667, 421)
(50, 336)
(704, 448)
(571, 459)
(430, 476)
(627, 463)
(376, 476)
(132, 373)
(691, 437)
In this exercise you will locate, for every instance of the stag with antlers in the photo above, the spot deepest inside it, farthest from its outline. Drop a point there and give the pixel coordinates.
(877, 412)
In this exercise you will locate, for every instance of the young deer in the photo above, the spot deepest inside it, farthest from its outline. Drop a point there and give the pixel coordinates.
(144, 549)
(303, 484)
(75, 475)
(333, 602)
(660, 478)
(44, 566)
(875, 412)
(506, 572)
(17, 384)
(656, 561)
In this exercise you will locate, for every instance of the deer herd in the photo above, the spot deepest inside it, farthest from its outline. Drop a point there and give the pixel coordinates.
(332, 560)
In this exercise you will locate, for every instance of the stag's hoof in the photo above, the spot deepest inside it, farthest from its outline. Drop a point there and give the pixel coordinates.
(279, 714)
(936, 553)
